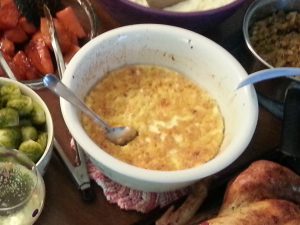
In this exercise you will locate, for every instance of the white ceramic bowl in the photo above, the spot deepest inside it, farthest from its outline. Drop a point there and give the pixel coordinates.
(200, 59)
(45, 158)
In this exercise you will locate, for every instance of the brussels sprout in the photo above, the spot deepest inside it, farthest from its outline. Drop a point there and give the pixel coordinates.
(8, 117)
(4, 99)
(10, 89)
(23, 104)
(32, 149)
(10, 137)
(38, 116)
(7, 92)
(42, 139)
(29, 132)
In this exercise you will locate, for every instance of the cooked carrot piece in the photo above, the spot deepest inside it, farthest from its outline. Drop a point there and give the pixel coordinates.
(63, 38)
(33, 74)
(72, 51)
(6, 2)
(16, 35)
(20, 62)
(7, 46)
(26, 25)
(9, 15)
(71, 22)
(24, 68)
(39, 56)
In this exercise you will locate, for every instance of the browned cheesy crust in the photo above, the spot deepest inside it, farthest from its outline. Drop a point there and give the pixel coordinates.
(179, 124)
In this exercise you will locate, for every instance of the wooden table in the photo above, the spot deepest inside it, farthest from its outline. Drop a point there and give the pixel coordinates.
(63, 205)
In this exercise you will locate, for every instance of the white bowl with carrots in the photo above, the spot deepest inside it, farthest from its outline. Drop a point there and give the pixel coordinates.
(26, 45)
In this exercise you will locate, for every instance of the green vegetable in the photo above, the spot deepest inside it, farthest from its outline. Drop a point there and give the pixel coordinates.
(4, 99)
(22, 122)
(38, 116)
(42, 139)
(10, 89)
(32, 149)
(7, 92)
(8, 117)
(10, 137)
(23, 104)
(29, 132)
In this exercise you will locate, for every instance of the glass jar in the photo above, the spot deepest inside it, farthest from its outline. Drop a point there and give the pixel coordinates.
(22, 189)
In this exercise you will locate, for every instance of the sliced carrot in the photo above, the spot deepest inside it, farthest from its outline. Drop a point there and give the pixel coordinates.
(20, 65)
(69, 19)
(26, 25)
(9, 15)
(16, 35)
(39, 56)
(33, 74)
(72, 51)
(6, 2)
(7, 46)
(64, 39)
(73, 37)
(24, 69)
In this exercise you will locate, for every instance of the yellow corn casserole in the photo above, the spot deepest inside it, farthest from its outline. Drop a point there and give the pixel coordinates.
(179, 124)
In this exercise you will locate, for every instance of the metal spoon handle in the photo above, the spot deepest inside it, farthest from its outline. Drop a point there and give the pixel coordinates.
(269, 74)
(57, 87)
(54, 42)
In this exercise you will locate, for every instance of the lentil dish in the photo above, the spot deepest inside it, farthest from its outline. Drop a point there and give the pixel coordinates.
(179, 124)
(277, 39)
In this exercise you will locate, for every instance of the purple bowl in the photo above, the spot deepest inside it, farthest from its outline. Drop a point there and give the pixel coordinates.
(126, 13)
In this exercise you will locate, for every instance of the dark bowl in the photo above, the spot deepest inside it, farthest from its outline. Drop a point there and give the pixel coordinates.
(126, 13)
(261, 9)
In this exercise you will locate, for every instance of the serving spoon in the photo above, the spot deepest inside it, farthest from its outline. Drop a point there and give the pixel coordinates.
(117, 135)
(160, 4)
(268, 74)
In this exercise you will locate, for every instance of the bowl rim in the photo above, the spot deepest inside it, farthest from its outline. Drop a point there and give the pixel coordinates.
(159, 12)
(50, 127)
(179, 176)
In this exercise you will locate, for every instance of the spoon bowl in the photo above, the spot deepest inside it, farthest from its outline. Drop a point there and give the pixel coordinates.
(117, 135)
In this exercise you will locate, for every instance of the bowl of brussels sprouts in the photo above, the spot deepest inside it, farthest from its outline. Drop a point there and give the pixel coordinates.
(25, 122)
